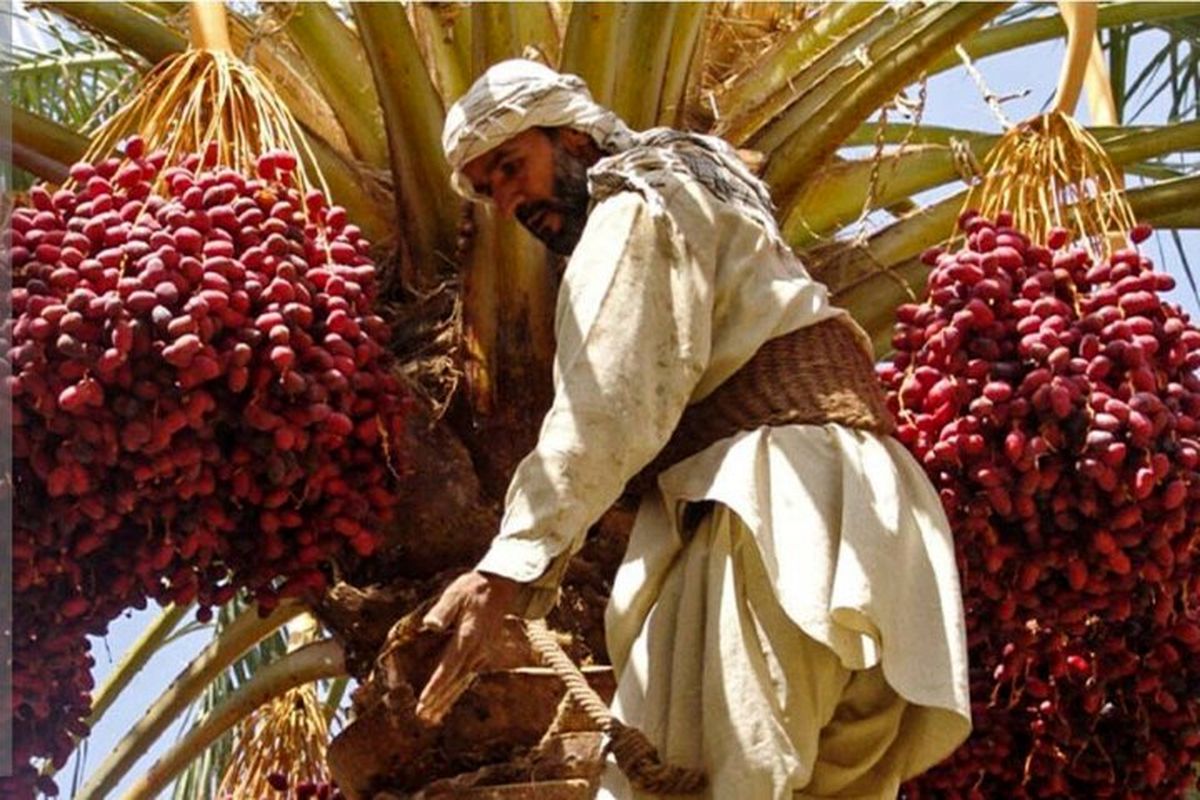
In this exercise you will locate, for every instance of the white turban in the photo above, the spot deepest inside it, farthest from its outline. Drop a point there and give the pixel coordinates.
(514, 96)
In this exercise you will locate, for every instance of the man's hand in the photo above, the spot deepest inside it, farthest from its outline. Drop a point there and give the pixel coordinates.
(472, 608)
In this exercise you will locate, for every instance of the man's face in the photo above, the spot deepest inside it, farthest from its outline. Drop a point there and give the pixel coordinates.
(539, 177)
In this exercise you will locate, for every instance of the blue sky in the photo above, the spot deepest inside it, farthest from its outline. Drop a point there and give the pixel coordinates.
(953, 100)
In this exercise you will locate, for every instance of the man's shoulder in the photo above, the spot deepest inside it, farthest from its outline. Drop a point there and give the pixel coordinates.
(650, 170)
(664, 166)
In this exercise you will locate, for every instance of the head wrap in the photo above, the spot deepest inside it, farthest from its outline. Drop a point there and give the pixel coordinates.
(514, 96)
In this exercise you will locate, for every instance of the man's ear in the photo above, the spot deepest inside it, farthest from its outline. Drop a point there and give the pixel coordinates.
(577, 143)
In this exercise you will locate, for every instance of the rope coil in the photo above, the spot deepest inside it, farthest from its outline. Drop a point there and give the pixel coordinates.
(635, 754)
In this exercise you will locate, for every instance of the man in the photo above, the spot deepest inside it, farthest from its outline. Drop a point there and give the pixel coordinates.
(787, 616)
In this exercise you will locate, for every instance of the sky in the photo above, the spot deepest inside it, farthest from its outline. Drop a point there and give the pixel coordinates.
(954, 100)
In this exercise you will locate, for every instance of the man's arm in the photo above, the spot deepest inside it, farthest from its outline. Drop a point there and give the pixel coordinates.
(633, 334)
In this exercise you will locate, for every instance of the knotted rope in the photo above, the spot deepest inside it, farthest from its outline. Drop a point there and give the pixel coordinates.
(635, 755)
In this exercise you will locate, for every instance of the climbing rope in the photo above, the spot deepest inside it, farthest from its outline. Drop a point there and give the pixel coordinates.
(635, 755)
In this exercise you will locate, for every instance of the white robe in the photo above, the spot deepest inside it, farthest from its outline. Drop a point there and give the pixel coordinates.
(669, 292)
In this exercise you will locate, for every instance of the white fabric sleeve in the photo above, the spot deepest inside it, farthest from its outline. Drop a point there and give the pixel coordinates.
(633, 337)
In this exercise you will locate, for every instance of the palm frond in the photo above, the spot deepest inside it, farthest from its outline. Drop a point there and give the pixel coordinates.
(37, 29)
(199, 781)
(1171, 76)
(412, 116)
(60, 75)
(202, 777)
(1024, 11)
(898, 47)
(241, 635)
(335, 56)
(1177, 240)
(305, 665)
(79, 89)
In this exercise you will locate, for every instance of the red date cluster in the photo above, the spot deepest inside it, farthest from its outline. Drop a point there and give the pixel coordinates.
(202, 401)
(1053, 402)
(51, 685)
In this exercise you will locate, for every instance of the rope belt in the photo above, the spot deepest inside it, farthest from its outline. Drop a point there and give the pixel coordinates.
(815, 375)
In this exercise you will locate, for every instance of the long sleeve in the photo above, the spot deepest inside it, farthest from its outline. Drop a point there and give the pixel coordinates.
(633, 331)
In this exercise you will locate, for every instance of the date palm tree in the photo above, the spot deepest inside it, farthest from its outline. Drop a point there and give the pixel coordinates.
(802, 89)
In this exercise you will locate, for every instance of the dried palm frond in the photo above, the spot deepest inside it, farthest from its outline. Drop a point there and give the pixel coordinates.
(740, 32)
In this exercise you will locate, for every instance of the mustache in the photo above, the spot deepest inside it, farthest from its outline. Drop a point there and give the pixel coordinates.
(532, 214)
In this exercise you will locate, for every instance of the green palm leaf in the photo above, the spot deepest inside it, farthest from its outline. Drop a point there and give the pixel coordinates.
(247, 630)
(1173, 73)
(838, 194)
(77, 83)
(199, 781)
(309, 663)
(73, 89)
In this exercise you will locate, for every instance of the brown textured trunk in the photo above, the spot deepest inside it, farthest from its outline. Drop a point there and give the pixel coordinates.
(483, 385)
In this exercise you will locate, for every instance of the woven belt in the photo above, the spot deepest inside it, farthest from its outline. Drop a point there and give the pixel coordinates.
(815, 375)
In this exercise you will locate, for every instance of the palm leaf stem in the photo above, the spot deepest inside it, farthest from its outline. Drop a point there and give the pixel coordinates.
(1156, 172)
(412, 117)
(1003, 38)
(646, 52)
(814, 126)
(444, 33)
(681, 71)
(835, 196)
(1181, 219)
(336, 58)
(591, 46)
(1176, 200)
(856, 45)
(148, 643)
(152, 639)
(183, 691)
(751, 99)
(782, 70)
(868, 133)
(160, 8)
(125, 23)
(324, 659)
(506, 30)
(44, 148)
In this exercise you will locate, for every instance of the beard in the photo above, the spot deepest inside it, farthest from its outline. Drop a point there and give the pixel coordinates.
(570, 204)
